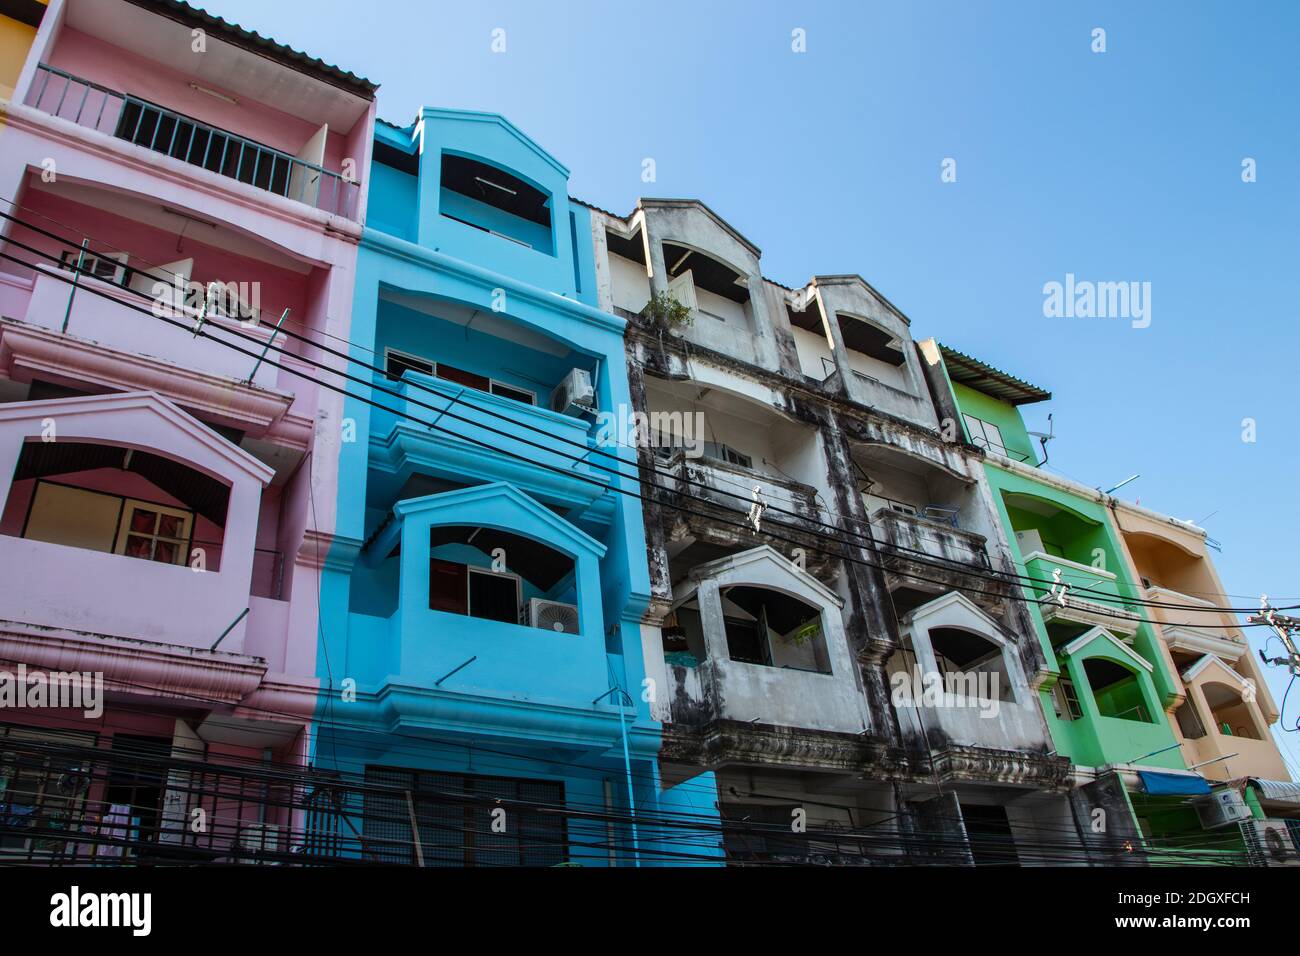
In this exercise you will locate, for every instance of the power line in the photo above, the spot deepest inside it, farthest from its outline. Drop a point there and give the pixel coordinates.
(1100, 597)
(587, 450)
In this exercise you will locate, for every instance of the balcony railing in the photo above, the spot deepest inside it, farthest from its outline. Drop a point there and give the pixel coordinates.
(477, 430)
(181, 137)
(908, 536)
(1084, 594)
(101, 310)
(57, 808)
(732, 486)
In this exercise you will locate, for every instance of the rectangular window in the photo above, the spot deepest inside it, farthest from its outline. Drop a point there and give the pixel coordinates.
(1189, 721)
(109, 266)
(476, 592)
(514, 394)
(747, 641)
(395, 363)
(985, 435)
(98, 521)
(448, 587)
(494, 596)
(720, 452)
(1065, 701)
(453, 814)
(462, 377)
(154, 532)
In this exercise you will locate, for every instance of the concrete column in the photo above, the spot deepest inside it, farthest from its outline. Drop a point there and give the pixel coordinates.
(715, 634)
(839, 351)
(765, 351)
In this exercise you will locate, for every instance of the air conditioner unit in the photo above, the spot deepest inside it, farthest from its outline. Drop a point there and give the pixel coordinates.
(1271, 842)
(1221, 808)
(553, 616)
(574, 394)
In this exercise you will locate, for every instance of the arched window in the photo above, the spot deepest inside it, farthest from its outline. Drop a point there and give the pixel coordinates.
(493, 200)
(500, 576)
(1231, 713)
(1117, 690)
(766, 626)
(118, 500)
(971, 665)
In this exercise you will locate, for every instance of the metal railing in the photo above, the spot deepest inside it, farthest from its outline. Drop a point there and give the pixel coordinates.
(66, 802)
(173, 134)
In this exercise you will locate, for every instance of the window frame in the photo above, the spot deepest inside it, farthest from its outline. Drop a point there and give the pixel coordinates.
(411, 360)
(1065, 696)
(471, 570)
(125, 532)
(988, 445)
(92, 260)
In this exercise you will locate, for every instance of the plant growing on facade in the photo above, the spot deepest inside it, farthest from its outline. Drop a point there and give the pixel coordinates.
(666, 312)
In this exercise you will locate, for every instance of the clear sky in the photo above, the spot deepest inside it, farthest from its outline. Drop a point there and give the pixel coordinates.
(1117, 166)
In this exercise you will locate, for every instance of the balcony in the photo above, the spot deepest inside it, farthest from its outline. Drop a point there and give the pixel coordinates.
(958, 671)
(758, 640)
(108, 314)
(453, 582)
(487, 437)
(1191, 631)
(1222, 723)
(911, 543)
(731, 486)
(187, 140)
(1092, 598)
(101, 524)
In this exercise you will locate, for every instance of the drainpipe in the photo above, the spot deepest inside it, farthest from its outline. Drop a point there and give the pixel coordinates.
(627, 766)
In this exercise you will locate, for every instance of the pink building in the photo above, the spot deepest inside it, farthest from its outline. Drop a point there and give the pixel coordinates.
(167, 499)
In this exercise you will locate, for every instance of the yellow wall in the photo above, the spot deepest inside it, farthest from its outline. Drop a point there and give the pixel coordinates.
(15, 40)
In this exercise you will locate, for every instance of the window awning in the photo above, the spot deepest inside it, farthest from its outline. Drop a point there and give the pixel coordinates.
(1173, 784)
(1283, 790)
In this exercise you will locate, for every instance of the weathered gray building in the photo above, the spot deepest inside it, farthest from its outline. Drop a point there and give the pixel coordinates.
(822, 544)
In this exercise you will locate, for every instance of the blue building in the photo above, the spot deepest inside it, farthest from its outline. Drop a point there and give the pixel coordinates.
(481, 601)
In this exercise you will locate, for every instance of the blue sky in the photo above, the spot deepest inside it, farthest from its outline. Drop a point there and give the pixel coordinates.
(1115, 166)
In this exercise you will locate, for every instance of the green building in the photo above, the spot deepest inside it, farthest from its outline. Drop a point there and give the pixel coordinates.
(1106, 689)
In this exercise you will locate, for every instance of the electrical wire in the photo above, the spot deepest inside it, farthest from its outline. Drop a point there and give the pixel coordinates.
(1100, 598)
(308, 332)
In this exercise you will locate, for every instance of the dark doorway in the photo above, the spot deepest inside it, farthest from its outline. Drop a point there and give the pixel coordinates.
(989, 831)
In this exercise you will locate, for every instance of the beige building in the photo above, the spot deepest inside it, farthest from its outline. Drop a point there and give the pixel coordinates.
(1223, 717)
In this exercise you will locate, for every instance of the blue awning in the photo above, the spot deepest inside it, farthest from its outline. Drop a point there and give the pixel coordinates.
(1173, 784)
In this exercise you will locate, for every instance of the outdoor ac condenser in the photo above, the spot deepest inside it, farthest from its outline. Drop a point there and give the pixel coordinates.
(553, 616)
(574, 394)
(1272, 842)
(1221, 808)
